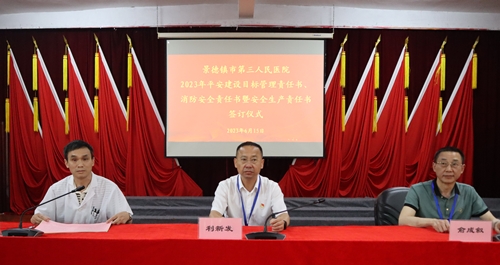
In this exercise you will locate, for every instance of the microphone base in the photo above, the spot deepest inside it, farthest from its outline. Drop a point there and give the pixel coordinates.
(265, 235)
(28, 232)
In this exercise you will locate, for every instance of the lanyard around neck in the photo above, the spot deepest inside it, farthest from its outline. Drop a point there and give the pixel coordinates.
(439, 208)
(243, 205)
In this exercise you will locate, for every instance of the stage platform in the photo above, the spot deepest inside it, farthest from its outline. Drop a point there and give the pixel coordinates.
(333, 212)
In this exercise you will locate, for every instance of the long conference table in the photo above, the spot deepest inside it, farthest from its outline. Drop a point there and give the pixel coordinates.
(179, 244)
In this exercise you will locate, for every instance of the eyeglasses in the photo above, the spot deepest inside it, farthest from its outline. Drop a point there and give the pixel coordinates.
(446, 164)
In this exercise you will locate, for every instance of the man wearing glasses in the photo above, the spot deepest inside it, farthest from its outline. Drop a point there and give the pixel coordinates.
(249, 195)
(436, 202)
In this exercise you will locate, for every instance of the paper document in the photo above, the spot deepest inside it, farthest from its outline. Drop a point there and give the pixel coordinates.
(52, 227)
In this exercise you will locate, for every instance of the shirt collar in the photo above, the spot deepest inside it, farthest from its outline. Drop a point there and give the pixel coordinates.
(438, 192)
(240, 183)
(73, 186)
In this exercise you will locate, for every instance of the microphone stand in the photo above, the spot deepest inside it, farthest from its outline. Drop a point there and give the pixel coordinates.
(274, 235)
(31, 232)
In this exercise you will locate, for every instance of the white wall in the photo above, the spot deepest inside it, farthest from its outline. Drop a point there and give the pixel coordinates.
(264, 15)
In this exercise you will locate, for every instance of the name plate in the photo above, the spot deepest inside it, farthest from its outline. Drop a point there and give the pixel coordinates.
(219, 228)
(470, 231)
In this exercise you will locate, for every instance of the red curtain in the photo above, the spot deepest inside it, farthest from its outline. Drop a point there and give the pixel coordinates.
(321, 177)
(387, 145)
(457, 127)
(112, 126)
(28, 170)
(374, 160)
(146, 142)
(52, 122)
(81, 112)
(422, 126)
(358, 130)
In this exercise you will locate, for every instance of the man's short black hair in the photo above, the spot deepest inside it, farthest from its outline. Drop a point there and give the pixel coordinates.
(77, 144)
(449, 149)
(248, 143)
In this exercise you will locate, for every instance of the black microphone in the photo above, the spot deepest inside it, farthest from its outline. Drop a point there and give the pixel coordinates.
(30, 231)
(273, 235)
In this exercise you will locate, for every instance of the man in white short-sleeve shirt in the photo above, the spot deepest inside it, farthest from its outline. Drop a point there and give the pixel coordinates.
(100, 201)
(249, 195)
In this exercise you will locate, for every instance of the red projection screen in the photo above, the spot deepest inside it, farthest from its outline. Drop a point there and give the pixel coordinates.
(221, 92)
